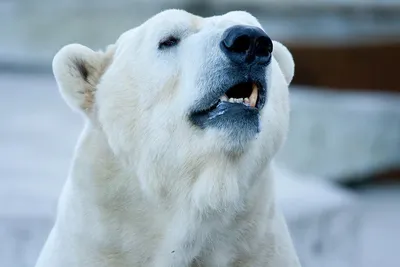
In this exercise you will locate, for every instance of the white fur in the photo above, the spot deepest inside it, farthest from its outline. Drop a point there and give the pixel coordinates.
(146, 187)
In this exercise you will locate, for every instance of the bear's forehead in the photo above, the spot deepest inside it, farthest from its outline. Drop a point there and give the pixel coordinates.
(180, 18)
(174, 18)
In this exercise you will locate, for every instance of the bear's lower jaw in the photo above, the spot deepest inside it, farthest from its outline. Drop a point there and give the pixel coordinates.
(239, 123)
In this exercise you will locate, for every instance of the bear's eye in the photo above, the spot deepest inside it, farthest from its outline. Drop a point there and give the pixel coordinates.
(168, 42)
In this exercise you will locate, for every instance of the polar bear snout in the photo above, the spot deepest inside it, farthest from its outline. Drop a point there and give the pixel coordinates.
(246, 45)
(233, 99)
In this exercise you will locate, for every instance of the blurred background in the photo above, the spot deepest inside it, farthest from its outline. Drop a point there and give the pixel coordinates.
(340, 190)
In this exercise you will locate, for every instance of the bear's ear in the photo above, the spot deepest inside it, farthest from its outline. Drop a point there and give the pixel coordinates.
(77, 70)
(285, 60)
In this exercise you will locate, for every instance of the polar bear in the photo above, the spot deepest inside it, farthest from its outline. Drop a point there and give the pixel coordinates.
(183, 115)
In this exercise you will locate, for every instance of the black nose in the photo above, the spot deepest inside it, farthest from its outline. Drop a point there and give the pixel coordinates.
(246, 45)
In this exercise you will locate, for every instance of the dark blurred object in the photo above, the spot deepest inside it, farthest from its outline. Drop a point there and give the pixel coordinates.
(359, 67)
(390, 177)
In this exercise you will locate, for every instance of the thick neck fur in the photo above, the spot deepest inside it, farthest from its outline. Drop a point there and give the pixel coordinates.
(212, 186)
(104, 208)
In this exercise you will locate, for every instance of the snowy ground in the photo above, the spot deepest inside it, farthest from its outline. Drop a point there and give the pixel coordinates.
(380, 234)
(37, 136)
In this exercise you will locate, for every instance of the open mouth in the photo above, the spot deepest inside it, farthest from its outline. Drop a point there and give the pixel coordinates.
(244, 93)
(236, 108)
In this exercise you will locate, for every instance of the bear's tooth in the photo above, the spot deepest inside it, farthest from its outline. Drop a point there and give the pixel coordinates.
(240, 100)
(253, 96)
(224, 98)
(231, 100)
(246, 100)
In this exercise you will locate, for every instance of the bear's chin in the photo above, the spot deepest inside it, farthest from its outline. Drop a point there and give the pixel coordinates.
(235, 125)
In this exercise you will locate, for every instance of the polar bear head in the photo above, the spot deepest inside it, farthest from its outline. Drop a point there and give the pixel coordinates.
(181, 90)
